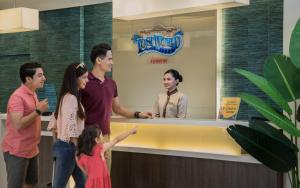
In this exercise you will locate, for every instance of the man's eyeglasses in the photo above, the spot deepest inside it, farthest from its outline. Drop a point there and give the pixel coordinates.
(82, 65)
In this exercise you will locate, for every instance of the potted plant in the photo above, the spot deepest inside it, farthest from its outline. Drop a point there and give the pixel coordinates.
(276, 148)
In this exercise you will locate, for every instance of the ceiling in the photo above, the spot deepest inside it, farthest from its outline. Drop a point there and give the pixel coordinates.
(48, 4)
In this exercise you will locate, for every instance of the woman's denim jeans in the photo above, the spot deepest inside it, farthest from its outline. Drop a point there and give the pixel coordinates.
(65, 165)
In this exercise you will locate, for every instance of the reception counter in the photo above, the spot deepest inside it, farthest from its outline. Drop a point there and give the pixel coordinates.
(186, 138)
(172, 153)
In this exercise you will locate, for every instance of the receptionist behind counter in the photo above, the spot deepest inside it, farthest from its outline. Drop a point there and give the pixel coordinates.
(172, 104)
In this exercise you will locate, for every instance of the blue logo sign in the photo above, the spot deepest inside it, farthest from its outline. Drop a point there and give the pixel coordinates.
(163, 40)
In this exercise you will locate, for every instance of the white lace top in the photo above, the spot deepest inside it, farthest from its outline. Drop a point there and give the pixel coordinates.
(68, 124)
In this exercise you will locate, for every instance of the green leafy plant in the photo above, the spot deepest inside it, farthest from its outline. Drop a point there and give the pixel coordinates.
(276, 148)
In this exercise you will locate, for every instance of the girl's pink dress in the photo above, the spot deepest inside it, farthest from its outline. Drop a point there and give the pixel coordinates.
(95, 166)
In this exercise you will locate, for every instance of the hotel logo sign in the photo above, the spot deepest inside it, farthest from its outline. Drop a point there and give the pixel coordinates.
(160, 39)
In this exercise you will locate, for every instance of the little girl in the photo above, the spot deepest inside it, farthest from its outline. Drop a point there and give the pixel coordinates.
(91, 156)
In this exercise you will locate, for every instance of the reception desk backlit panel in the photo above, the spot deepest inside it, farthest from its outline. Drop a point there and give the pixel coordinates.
(192, 138)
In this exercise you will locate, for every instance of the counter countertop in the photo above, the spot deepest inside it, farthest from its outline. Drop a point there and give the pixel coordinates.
(194, 122)
(165, 121)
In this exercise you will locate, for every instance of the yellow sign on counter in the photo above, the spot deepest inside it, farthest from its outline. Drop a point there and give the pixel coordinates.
(229, 107)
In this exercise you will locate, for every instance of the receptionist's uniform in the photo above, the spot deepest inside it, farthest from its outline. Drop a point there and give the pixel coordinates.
(170, 105)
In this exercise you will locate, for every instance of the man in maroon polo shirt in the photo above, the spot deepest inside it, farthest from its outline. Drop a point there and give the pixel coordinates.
(100, 96)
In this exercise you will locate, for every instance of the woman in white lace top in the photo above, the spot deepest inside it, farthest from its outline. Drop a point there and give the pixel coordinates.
(67, 124)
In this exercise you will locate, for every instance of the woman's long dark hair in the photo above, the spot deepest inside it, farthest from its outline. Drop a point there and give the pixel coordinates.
(86, 140)
(69, 85)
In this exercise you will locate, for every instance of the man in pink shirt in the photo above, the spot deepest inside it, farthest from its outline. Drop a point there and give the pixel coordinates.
(23, 128)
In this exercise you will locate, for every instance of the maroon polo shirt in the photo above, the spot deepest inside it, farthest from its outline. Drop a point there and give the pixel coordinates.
(97, 98)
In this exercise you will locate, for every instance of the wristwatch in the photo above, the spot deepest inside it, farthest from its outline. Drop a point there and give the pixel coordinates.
(38, 111)
(137, 115)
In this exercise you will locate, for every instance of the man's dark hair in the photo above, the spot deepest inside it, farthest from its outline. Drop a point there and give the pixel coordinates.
(99, 50)
(28, 70)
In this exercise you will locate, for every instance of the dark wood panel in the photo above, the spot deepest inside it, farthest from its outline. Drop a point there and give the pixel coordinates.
(45, 161)
(134, 170)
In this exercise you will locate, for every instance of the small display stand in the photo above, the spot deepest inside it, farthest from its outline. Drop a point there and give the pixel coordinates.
(229, 108)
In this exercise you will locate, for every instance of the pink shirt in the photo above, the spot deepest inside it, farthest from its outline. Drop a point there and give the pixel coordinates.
(96, 169)
(22, 142)
(68, 124)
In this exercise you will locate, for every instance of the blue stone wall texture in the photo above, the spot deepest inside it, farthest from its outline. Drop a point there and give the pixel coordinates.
(250, 35)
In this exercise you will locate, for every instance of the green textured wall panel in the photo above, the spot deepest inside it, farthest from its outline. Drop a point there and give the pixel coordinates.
(97, 27)
(9, 77)
(57, 43)
(250, 35)
(65, 36)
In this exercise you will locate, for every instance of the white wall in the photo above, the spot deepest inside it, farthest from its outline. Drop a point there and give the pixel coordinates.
(139, 82)
(43, 5)
(291, 13)
(140, 9)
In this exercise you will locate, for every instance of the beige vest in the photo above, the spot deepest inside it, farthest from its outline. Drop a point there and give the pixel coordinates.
(175, 108)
